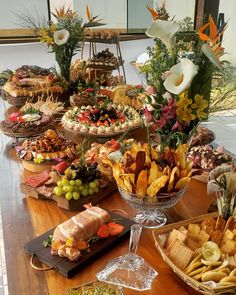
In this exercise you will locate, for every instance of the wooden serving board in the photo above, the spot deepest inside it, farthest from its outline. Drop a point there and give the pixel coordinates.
(72, 205)
(68, 268)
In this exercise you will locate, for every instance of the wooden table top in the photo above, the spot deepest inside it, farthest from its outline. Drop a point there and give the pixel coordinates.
(23, 218)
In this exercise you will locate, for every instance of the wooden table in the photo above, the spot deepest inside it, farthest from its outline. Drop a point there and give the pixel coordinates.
(24, 218)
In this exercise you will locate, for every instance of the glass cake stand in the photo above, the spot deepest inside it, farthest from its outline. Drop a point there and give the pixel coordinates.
(150, 210)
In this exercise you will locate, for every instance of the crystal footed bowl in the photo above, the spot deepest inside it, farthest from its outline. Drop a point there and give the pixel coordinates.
(150, 210)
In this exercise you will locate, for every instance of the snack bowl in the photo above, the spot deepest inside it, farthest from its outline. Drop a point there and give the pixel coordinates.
(150, 210)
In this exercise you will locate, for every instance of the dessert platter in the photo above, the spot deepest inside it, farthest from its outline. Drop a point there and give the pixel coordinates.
(105, 59)
(40, 153)
(30, 82)
(80, 240)
(100, 121)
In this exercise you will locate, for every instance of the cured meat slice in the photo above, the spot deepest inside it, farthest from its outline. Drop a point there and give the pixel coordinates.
(81, 226)
(37, 180)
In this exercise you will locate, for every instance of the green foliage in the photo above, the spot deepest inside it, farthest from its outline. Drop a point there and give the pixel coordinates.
(160, 62)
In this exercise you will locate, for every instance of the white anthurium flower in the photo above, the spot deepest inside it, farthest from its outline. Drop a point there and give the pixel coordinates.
(181, 76)
(61, 37)
(206, 49)
(163, 30)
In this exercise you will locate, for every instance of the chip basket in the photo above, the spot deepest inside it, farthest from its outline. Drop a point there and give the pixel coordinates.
(200, 287)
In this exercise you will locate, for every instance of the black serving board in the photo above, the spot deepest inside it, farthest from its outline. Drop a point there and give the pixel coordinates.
(69, 268)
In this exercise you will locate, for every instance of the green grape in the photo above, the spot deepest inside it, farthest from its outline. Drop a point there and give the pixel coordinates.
(81, 188)
(70, 188)
(59, 183)
(76, 189)
(76, 195)
(91, 191)
(65, 188)
(65, 181)
(78, 182)
(84, 192)
(96, 181)
(72, 182)
(92, 185)
(68, 196)
(96, 189)
(58, 191)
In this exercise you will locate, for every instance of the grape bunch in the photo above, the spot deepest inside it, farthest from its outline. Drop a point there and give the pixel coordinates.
(79, 180)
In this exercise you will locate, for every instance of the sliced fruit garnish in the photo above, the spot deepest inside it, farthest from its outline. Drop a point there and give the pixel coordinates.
(115, 228)
(211, 251)
(103, 231)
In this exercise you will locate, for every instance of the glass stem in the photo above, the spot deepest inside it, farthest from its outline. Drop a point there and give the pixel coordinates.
(135, 233)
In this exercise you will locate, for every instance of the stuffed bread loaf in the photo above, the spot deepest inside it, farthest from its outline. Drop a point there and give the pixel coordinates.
(80, 227)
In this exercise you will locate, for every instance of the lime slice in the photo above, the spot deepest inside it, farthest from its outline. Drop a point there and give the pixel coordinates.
(211, 251)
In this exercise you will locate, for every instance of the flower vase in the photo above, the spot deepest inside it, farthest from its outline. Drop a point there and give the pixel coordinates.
(64, 62)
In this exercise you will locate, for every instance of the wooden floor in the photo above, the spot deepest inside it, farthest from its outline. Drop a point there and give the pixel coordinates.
(24, 218)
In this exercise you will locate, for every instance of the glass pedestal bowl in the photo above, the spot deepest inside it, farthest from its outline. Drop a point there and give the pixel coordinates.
(150, 210)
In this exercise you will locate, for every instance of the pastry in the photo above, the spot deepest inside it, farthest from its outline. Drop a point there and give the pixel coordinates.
(101, 120)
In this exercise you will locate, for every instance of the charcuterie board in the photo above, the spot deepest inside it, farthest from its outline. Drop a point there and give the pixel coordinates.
(72, 205)
(68, 268)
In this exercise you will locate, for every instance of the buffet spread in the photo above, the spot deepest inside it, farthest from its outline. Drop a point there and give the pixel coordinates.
(151, 175)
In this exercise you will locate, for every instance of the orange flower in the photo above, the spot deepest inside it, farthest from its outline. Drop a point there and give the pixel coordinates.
(213, 39)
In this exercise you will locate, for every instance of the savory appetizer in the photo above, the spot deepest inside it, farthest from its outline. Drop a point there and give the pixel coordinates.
(95, 288)
(31, 81)
(72, 237)
(145, 171)
(47, 147)
(203, 136)
(208, 158)
(30, 121)
(204, 251)
(132, 95)
(100, 120)
(80, 179)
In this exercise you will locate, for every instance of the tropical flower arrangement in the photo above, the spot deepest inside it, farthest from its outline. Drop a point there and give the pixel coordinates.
(179, 74)
(63, 37)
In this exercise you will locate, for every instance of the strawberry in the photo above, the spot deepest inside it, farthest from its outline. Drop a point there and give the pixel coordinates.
(115, 228)
(103, 232)
(14, 116)
(61, 167)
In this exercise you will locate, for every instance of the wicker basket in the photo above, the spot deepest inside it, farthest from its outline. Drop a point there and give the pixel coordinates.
(203, 289)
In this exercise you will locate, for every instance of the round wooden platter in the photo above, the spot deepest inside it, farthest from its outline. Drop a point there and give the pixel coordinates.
(24, 135)
(106, 135)
(16, 101)
(37, 168)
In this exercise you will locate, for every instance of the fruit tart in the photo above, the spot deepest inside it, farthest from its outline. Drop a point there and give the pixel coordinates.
(101, 120)
(48, 147)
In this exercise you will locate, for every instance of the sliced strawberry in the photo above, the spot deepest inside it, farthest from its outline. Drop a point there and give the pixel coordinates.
(115, 228)
(103, 232)
(14, 116)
